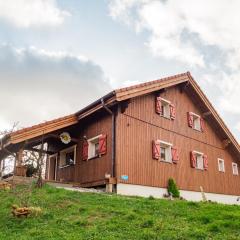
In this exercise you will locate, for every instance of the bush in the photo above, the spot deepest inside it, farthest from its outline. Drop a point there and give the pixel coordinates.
(173, 189)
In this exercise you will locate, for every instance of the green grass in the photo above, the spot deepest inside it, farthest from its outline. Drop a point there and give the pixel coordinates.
(73, 215)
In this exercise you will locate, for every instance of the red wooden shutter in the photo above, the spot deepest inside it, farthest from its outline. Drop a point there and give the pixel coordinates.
(205, 162)
(172, 111)
(85, 150)
(103, 144)
(193, 160)
(155, 149)
(190, 120)
(158, 105)
(175, 156)
(202, 124)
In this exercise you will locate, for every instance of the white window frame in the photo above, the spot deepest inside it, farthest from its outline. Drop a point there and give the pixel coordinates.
(198, 118)
(91, 147)
(223, 162)
(168, 147)
(233, 170)
(63, 153)
(199, 154)
(166, 105)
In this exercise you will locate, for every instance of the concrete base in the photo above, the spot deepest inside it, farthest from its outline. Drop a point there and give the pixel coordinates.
(146, 191)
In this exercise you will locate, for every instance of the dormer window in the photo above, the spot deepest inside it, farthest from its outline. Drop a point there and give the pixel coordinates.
(195, 121)
(165, 108)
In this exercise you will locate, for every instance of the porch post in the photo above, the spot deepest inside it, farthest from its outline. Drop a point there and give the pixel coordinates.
(19, 158)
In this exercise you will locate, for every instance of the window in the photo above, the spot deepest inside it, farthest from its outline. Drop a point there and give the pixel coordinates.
(93, 147)
(165, 108)
(221, 166)
(199, 160)
(166, 152)
(68, 156)
(195, 121)
(235, 168)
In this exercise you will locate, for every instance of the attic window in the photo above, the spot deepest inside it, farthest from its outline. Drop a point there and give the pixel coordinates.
(165, 105)
(195, 121)
(165, 108)
(235, 168)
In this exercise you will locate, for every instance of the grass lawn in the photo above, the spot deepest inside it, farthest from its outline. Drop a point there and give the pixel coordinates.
(73, 215)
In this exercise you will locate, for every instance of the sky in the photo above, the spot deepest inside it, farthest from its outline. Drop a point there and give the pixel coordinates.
(57, 56)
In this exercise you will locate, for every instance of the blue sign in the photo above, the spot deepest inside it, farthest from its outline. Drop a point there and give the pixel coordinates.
(124, 177)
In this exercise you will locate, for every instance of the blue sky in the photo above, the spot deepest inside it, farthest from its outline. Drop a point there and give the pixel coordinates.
(56, 56)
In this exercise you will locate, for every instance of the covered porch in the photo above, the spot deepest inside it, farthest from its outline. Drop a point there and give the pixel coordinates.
(55, 140)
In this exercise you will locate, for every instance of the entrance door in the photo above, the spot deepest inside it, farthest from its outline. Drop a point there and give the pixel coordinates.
(52, 162)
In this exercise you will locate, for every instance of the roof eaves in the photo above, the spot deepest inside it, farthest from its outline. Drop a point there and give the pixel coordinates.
(214, 112)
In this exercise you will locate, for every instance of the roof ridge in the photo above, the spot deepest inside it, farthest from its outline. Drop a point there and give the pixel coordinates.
(151, 82)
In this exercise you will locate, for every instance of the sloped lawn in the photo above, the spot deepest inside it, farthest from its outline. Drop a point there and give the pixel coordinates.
(73, 215)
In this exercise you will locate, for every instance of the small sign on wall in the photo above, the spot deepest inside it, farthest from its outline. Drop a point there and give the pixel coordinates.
(124, 177)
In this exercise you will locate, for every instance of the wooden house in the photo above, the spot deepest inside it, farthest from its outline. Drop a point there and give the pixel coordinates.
(137, 138)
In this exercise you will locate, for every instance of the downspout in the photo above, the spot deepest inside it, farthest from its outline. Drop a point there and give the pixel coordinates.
(113, 135)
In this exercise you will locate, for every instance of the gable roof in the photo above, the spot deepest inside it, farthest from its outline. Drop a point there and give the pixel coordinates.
(120, 95)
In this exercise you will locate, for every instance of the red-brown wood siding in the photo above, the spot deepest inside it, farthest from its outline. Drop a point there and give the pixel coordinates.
(140, 124)
(94, 170)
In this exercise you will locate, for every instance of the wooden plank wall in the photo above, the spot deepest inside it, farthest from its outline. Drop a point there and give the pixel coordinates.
(94, 170)
(139, 125)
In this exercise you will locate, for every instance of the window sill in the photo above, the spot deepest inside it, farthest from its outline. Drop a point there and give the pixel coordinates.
(201, 169)
(169, 118)
(91, 158)
(166, 162)
(67, 166)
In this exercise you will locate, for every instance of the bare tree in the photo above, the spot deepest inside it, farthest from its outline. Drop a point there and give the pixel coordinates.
(11, 155)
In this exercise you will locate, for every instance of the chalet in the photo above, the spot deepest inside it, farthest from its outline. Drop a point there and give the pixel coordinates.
(137, 138)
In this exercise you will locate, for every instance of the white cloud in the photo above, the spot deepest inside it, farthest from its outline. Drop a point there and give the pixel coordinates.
(27, 13)
(37, 85)
(213, 22)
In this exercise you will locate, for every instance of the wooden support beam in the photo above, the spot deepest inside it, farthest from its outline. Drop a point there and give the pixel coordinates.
(183, 86)
(19, 157)
(226, 143)
(124, 105)
(161, 91)
(205, 114)
(75, 140)
(39, 150)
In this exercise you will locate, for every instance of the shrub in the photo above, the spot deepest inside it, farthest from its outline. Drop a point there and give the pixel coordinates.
(173, 189)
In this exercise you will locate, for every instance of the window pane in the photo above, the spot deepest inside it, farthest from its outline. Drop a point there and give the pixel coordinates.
(70, 158)
(163, 153)
(199, 161)
(96, 149)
